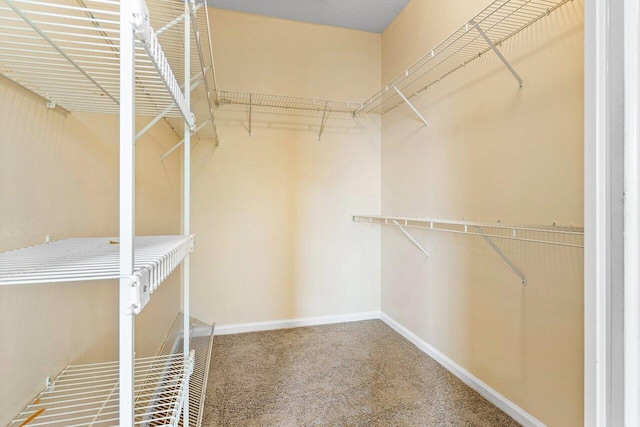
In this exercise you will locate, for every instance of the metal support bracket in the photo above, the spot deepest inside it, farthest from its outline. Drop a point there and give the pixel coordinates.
(495, 49)
(502, 255)
(323, 122)
(160, 116)
(406, 233)
(250, 111)
(175, 147)
(140, 292)
(415, 110)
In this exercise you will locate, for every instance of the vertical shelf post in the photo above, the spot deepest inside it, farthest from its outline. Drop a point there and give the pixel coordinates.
(186, 225)
(127, 212)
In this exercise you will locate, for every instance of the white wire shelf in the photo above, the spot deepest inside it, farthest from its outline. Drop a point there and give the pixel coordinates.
(551, 235)
(275, 103)
(67, 51)
(201, 342)
(87, 395)
(500, 21)
(94, 258)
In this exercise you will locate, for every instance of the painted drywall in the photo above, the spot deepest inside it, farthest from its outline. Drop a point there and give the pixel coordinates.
(59, 176)
(271, 212)
(492, 152)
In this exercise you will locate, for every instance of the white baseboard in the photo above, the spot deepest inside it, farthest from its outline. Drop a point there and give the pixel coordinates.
(294, 323)
(513, 410)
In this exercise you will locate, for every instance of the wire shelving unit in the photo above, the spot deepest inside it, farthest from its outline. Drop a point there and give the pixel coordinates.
(126, 57)
(489, 29)
(288, 105)
(87, 395)
(571, 237)
(485, 32)
(270, 103)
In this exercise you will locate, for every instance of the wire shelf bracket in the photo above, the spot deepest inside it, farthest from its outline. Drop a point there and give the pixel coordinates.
(505, 258)
(415, 110)
(497, 52)
(323, 121)
(410, 237)
(175, 147)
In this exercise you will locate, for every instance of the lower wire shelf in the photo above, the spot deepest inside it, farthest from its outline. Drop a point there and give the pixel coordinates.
(87, 395)
(200, 342)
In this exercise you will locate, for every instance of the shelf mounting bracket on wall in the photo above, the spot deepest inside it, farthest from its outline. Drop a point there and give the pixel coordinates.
(415, 110)
(250, 111)
(495, 49)
(322, 123)
(406, 233)
(506, 259)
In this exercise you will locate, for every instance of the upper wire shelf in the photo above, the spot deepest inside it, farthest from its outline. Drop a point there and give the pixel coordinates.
(277, 103)
(93, 258)
(552, 235)
(67, 51)
(87, 395)
(499, 21)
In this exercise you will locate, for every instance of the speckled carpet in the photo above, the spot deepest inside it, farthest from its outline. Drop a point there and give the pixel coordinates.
(350, 374)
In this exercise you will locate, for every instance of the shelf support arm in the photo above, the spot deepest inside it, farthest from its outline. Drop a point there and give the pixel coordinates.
(250, 111)
(500, 55)
(410, 237)
(164, 112)
(175, 147)
(506, 259)
(322, 123)
(415, 110)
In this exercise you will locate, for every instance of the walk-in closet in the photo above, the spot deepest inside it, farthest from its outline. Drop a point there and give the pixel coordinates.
(301, 213)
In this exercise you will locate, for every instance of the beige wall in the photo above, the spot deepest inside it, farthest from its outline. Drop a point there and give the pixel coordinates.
(59, 177)
(271, 211)
(492, 152)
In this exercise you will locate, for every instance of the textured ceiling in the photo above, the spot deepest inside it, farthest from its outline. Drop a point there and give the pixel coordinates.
(365, 15)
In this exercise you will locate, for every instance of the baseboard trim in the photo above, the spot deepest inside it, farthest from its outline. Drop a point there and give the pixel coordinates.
(513, 410)
(294, 323)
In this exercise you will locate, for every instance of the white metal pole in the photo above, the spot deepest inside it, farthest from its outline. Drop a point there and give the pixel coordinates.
(187, 199)
(127, 212)
(632, 214)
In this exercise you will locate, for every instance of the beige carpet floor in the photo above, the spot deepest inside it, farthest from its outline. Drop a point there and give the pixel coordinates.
(350, 374)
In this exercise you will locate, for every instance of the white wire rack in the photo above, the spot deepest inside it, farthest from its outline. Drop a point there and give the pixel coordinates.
(551, 235)
(572, 237)
(87, 395)
(500, 21)
(94, 258)
(67, 51)
(270, 103)
(201, 339)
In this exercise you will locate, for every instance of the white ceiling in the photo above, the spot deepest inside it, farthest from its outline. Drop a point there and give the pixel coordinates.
(365, 15)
